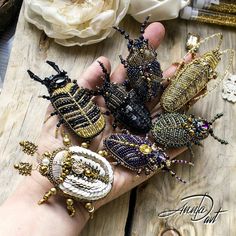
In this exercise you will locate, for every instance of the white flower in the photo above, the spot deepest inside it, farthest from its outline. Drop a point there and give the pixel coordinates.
(76, 22)
(158, 9)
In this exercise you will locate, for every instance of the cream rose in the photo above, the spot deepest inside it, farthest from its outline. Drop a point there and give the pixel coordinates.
(157, 9)
(76, 22)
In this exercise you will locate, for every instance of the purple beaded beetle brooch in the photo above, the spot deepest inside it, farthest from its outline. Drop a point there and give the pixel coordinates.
(139, 154)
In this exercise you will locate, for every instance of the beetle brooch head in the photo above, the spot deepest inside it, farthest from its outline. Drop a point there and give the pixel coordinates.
(143, 70)
(201, 128)
(54, 81)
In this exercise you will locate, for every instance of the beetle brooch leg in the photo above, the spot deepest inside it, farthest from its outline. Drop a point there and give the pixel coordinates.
(51, 115)
(217, 116)
(47, 195)
(70, 206)
(57, 127)
(44, 97)
(173, 174)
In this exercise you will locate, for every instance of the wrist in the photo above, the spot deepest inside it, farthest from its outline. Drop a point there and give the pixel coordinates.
(52, 216)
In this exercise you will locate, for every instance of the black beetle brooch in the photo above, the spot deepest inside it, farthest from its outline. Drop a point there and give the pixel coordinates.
(179, 130)
(125, 106)
(72, 104)
(139, 154)
(143, 70)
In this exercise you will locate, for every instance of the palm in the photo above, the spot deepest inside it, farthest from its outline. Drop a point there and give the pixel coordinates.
(124, 180)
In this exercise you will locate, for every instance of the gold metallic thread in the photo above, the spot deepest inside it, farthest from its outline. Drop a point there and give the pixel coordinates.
(216, 18)
(224, 7)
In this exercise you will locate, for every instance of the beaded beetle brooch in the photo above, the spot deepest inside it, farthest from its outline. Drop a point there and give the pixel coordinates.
(179, 130)
(139, 154)
(72, 104)
(125, 107)
(75, 172)
(143, 70)
(192, 78)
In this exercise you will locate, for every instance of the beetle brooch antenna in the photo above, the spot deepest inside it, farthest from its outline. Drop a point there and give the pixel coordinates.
(75, 172)
(191, 79)
(179, 130)
(125, 106)
(72, 104)
(143, 70)
(140, 154)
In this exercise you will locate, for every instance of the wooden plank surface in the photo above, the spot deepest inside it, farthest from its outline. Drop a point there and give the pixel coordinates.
(21, 117)
(214, 170)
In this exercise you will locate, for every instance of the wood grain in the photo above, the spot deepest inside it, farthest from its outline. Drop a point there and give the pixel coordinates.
(22, 115)
(214, 170)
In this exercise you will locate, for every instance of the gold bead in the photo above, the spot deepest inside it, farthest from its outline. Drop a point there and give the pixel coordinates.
(61, 179)
(53, 191)
(66, 140)
(168, 163)
(145, 149)
(100, 152)
(105, 153)
(43, 169)
(87, 172)
(68, 163)
(84, 145)
(47, 154)
(69, 202)
(88, 206)
(16, 166)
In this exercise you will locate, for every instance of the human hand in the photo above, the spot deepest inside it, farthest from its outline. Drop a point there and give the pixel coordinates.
(124, 179)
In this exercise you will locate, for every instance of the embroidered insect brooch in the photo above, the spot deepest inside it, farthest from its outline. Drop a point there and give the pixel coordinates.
(179, 130)
(72, 104)
(139, 154)
(192, 78)
(125, 106)
(76, 173)
(143, 70)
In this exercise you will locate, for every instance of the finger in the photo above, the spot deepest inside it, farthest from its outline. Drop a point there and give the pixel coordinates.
(154, 33)
(169, 72)
(91, 77)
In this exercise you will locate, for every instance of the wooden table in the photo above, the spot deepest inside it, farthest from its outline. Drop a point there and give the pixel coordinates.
(135, 213)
